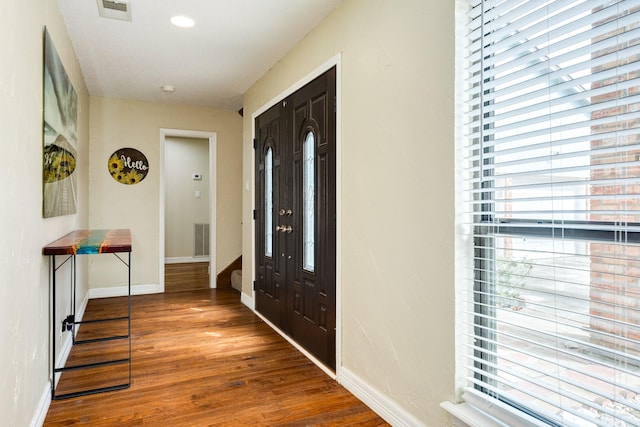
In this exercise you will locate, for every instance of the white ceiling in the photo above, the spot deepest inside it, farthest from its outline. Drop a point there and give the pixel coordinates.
(233, 43)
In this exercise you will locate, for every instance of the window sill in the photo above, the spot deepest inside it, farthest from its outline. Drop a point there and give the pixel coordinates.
(476, 411)
(465, 415)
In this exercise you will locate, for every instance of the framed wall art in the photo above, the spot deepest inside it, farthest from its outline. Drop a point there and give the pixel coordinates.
(60, 137)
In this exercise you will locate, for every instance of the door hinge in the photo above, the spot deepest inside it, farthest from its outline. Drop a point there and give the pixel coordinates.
(255, 214)
(255, 143)
(255, 286)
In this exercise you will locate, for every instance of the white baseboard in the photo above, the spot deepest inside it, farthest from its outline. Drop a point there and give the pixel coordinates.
(67, 343)
(61, 360)
(378, 402)
(43, 407)
(247, 300)
(80, 310)
(121, 291)
(185, 259)
(65, 349)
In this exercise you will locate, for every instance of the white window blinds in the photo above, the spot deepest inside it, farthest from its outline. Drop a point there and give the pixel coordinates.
(552, 207)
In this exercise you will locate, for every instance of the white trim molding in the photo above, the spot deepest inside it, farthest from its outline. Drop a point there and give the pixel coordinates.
(121, 291)
(213, 159)
(43, 407)
(463, 415)
(248, 301)
(61, 360)
(478, 411)
(186, 259)
(389, 410)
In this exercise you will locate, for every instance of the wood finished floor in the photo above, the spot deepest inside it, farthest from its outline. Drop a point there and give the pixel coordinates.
(186, 276)
(201, 358)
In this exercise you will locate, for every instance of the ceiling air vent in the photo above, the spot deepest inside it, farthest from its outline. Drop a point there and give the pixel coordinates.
(114, 9)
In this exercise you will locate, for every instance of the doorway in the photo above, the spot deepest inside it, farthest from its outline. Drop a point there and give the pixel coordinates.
(187, 210)
(295, 160)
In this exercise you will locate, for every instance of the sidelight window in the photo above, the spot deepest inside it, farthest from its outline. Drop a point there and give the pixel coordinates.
(268, 203)
(550, 166)
(308, 185)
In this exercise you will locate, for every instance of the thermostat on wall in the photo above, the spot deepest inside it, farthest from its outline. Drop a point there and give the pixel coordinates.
(197, 177)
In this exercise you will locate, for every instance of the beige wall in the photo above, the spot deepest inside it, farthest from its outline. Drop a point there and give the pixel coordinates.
(117, 123)
(184, 157)
(24, 280)
(397, 198)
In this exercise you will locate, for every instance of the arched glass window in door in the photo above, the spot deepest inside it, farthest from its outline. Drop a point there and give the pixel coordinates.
(268, 203)
(308, 197)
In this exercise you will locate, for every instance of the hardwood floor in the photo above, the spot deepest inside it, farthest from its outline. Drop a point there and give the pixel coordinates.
(186, 276)
(201, 358)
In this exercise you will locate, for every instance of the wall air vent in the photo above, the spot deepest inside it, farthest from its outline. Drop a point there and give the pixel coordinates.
(114, 9)
(200, 240)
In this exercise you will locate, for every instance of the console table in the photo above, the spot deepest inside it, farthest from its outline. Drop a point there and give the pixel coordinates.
(90, 242)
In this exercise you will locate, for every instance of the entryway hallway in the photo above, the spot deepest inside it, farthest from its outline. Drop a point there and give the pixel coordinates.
(202, 358)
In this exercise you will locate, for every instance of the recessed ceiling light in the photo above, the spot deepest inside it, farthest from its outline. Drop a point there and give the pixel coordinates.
(168, 88)
(183, 21)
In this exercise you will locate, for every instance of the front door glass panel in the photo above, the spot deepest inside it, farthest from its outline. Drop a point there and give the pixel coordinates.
(308, 218)
(268, 203)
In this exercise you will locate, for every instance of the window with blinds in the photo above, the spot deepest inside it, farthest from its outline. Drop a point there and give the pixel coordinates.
(551, 183)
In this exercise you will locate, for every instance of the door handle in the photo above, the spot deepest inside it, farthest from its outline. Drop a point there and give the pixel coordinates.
(284, 228)
(287, 212)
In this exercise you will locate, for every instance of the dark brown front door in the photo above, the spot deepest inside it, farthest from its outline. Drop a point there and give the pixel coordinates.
(296, 216)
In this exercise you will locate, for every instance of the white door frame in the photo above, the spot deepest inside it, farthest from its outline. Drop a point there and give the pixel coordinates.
(335, 61)
(212, 137)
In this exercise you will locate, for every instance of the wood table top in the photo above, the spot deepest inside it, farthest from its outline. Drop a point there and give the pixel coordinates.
(80, 242)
